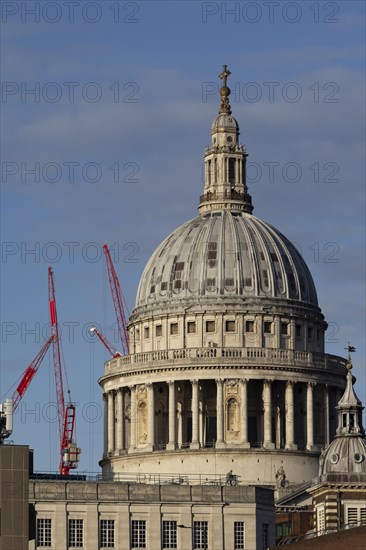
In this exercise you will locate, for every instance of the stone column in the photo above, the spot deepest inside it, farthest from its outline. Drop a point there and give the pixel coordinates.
(277, 331)
(172, 437)
(111, 421)
(305, 335)
(292, 334)
(278, 427)
(243, 385)
(326, 415)
(120, 421)
(220, 414)
(150, 416)
(195, 417)
(267, 403)
(290, 418)
(105, 400)
(133, 419)
(201, 426)
(310, 417)
(180, 424)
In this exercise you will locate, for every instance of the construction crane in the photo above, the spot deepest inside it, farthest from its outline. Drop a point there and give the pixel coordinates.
(8, 408)
(118, 301)
(65, 412)
(110, 348)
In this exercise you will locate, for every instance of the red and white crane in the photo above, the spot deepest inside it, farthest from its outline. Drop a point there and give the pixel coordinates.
(65, 412)
(8, 408)
(118, 302)
(106, 343)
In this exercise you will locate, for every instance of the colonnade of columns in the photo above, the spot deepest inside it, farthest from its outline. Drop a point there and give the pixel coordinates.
(115, 437)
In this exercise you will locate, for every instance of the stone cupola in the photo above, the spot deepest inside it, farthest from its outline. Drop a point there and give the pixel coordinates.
(225, 161)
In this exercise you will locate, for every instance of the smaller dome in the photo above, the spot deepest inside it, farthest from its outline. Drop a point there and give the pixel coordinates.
(345, 455)
(223, 123)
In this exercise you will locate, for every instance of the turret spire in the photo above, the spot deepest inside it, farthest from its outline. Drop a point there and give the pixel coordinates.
(350, 407)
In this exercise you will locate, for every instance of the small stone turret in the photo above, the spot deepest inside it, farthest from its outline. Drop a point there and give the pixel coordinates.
(347, 452)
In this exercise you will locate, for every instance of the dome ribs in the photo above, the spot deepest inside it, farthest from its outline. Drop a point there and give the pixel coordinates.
(226, 254)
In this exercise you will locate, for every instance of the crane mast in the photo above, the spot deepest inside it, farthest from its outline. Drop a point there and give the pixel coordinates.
(56, 350)
(65, 414)
(118, 301)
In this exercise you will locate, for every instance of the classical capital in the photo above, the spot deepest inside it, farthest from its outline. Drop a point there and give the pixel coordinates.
(232, 382)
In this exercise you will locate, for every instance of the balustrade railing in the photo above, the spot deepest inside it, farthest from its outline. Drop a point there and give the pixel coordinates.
(245, 356)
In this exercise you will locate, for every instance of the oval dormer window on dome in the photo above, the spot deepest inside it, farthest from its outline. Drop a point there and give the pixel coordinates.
(334, 458)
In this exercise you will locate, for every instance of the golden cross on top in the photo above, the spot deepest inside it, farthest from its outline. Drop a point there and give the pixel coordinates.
(225, 73)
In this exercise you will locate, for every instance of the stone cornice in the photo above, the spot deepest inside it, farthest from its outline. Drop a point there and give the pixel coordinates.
(213, 371)
(227, 304)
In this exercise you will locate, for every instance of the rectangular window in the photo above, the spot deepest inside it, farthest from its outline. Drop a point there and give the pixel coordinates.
(230, 326)
(200, 535)
(191, 327)
(243, 172)
(320, 519)
(146, 333)
(239, 535)
(265, 536)
(158, 330)
(231, 170)
(170, 534)
(356, 515)
(76, 533)
(310, 332)
(138, 533)
(298, 331)
(107, 533)
(173, 329)
(352, 516)
(249, 326)
(267, 327)
(284, 329)
(210, 326)
(44, 533)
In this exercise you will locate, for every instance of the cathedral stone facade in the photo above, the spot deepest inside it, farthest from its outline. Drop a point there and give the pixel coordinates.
(227, 368)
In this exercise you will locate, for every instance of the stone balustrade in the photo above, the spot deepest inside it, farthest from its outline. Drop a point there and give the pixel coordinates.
(257, 357)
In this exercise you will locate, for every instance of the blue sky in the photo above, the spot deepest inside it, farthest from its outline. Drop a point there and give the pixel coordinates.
(130, 97)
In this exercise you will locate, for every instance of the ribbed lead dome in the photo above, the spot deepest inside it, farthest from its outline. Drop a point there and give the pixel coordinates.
(227, 254)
